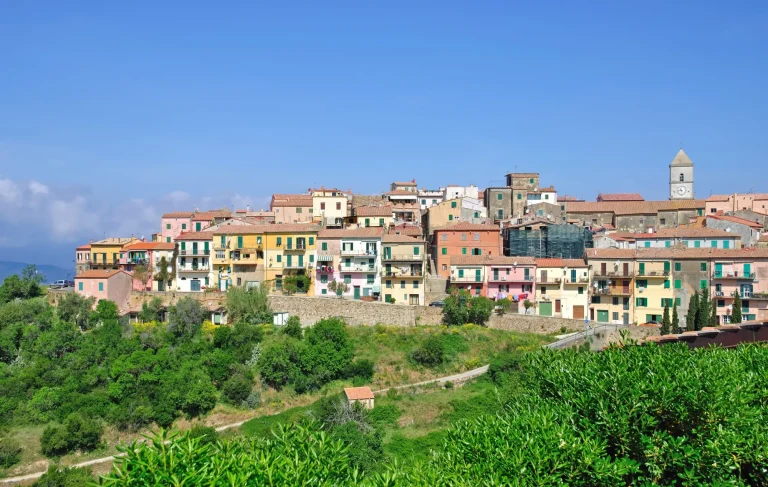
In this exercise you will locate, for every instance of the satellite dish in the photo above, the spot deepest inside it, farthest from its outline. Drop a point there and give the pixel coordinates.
(514, 263)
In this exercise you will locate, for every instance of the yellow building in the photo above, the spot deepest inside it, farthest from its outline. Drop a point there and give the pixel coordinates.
(105, 254)
(289, 251)
(562, 288)
(653, 288)
(238, 255)
(403, 272)
(374, 216)
(612, 292)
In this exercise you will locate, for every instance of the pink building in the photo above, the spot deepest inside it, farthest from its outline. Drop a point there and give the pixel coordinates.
(82, 258)
(351, 256)
(112, 284)
(174, 224)
(148, 254)
(494, 277)
(292, 208)
(745, 272)
(737, 202)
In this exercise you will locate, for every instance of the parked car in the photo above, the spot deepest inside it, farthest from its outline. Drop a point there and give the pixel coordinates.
(63, 283)
(437, 304)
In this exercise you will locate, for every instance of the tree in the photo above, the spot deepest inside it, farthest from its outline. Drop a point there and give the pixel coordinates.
(26, 286)
(83, 433)
(431, 353)
(665, 323)
(249, 304)
(298, 283)
(461, 308)
(151, 311)
(142, 273)
(293, 327)
(163, 275)
(75, 308)
(713, 318)
(736, 313)
(338, 287)
(236, 389)
(675, 321)
(703, 311)
(54, 441)
(693, 309)
(58, 476)
(10, 452)
(186, 318)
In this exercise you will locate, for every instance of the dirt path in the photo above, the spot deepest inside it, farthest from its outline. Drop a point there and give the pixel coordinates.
(464, 376)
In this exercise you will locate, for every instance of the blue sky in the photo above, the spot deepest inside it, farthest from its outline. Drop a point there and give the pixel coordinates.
(113, 112)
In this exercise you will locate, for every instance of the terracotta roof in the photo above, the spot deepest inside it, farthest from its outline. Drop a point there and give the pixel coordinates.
(763, 238)
(404, 183)
(352, 233)
(553, 262)
(373, 211)
(620, 197)
(468, 227)
(391, 238)
(210, 215)
(719, 197)
(547, 189)
(523, 174)
(677, 253)
(488, 260)
(84, 247)
(331, 190)
(240, 229)
(195, 236)
(114, 241)
(298, 200)
(736, 219)
(100, 273)
(401, 192)
(291, 228)
(633, 207)
(413, 230)
(179, 214)
(150, 246)
(567, 198)
(358, 393)
(679, 232)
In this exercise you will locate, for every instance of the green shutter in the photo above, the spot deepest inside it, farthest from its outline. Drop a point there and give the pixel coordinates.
(367, 222)
(678, 301)
(205, 248)
(415, 251)
(279, 241)
(726, 244)
(642, 268)
(666, 284)
(311, 258)
(666, 266)
(696, 244)
(477, 275)
(703, 284)
(183, 246)
(678, 284)
(223, 241)
(667, 244)
(450, 217)
(381, 222)
(461, 272)
(324, 245)
(101, 286)
(747, 270)
(197, 226)
(464, 251)
(703, 267)
(445, 251)
(289, 242)
(499, 196)
(714, 244)
(678, 266)
(311, 240)
(453, 204)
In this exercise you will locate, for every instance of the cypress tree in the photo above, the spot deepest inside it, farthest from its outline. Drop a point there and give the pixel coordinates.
(675, 321)
(665, 323)
(713, 318)
(703, 312)
(736, 314)
(693, 310)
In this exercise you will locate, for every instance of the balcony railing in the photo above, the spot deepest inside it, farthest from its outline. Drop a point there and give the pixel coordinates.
(733, 275)
(600, 273)
(653, 274)
(578, 280)
(358, 268)
(402, 257)
(194, 252)
(297, 247)
(510, 278)
(398, 273)
(466, 279)
(358, 253)
(194, 268)
(136, 261)
(550, 280)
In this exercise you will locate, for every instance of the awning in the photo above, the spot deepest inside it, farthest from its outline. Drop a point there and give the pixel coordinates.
(325, 258)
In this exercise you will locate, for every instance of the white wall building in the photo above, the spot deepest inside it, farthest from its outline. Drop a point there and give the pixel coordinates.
(430, 197)
(453, 191)
(194, 272)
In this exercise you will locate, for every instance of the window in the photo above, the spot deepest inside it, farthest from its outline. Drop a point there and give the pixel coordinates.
(499, 196)
(477, 214)
(519, 196)
(647, 244)
(450, 217)
(500, 214)
(703, 284)
(663, 221)
(183, 226)
(642, 283)
(101, 286)
(444, 251)
(546, 196)
(581, 290)
(666, 284)
(678, 301)
(324, 291)
(678, 266)
(347, 279)
(258, 240)
(324, 246)
(667, 244)
(415, 284)
(168, 239)
(389, 284)
(714, 244)
(79, 286)
(641, 302)
(682, 177)
(279, 241)
(463, 251)
(530, 180)
(370, 278)
(387, 298)
(463, 236)
(453, 204)
(615, 301)
(322, 206)
(338, 206)
(167, 226)
(720, 303)
(595, 299)
(697, 244)
(311, 258)
(240, 242)
(323, 278)
(726, 244)
(703, 267)
(444, 236)
(678, 284)
(477, 252)
(381, 222)
(367, 222)
(476, 236)
(415, 251)
(298, 210)
(402, 284)
(615, 316)
(311, 240)
(424, 202)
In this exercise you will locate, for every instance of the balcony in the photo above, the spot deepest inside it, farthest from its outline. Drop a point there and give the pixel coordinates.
(733, 275)
(194, 268)
(466, 279)
(358, 253)
(510, 278)
(358, 268)
(617, 291)
(654, 274)
(194, 253)
(550, 280)
(295, 248)
(403, 258)
(400, 273)
(295, 265)
(600, 273)
(577, 281)
(135, 261)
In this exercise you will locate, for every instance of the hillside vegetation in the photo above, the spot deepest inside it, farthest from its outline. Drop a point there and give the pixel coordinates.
(628, 416)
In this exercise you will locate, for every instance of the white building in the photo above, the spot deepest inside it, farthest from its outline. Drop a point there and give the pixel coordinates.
(351, 256)
(329, 207)
(542, 195)
(453, 191)
(431, 197)
(194, 271)
(670, 237)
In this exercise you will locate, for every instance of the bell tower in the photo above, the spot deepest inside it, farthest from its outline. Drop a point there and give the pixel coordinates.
(681, 177)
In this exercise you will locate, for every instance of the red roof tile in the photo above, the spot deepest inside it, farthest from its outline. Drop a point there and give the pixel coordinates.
(677, 253)
(358, 393)
(150, 246)
(401, 192)
(469, 227)
(374, 211)
(413, 230)
(719, 197)
(366, 232)
(210, 215)
(100, 273)
(488, 260)
(392, 238)
(620, 197)
(633, 207)
(179, 214)
(736, 219)
(195, 236)
(552, 262)
(404, 183)
(286, 200)
(84, 247)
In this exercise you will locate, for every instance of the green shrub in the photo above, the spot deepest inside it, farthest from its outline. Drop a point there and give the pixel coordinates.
(252, 401)
(461, 308)
(236, 389)
(206, 434)
(54, 441)
(65, 477)
(10, 452)
(292, 327)
(431, 353)
(362, 369)
(83, 433)
(384, 415)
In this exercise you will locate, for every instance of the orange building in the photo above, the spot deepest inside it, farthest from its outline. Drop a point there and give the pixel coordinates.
(464, 239)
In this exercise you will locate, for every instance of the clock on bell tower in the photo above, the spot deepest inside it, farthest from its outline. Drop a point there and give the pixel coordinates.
(681, 177)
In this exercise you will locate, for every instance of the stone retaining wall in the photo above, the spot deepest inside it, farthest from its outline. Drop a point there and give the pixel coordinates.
(543, 325)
